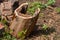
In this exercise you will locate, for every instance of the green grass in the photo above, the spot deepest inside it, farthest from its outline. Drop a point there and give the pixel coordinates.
(22, 33)
(50, 2)
(44, 27)
(33, 6)
(57, 9)
(5, 34)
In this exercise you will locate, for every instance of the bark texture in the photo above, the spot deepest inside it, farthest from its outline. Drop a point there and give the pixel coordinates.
(23, 21)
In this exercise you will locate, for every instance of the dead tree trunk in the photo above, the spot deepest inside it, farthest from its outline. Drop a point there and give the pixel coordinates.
(23, 24)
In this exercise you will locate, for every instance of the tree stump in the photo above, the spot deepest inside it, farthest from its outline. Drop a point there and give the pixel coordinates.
(6, 8)
(6, 11)
(23, 24)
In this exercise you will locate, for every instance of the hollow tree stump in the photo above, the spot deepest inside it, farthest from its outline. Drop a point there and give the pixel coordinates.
(23, 24)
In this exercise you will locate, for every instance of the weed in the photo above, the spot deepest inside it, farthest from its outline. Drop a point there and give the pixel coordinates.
(41, 14)
(7, 36)
(57, 9)
(44, 26)
(21, 34)
(33, 6)
(50, 2)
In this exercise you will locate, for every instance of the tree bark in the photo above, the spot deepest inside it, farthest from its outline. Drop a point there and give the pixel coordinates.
(22, 22)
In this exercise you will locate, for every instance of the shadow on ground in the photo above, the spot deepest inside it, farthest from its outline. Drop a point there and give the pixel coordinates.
(39, 32)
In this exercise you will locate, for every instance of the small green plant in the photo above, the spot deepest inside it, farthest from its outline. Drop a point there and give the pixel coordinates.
(21, 34)
(11, 31)
(57, 9)
(33, 6)
(50, 2)
(41, 14)
(3, 21)
(7, 36)
(44, 26)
